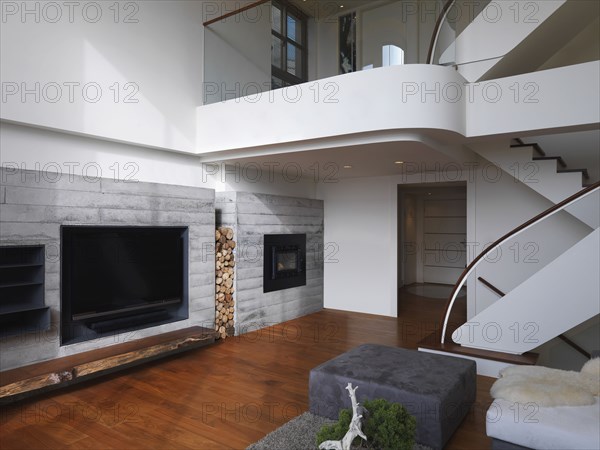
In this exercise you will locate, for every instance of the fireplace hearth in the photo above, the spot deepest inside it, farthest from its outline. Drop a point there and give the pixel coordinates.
(119, 279)
(284, 261)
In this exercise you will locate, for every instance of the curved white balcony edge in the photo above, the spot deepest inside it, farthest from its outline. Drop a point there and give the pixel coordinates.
(398, 103)
(421, 100)
(372, 101)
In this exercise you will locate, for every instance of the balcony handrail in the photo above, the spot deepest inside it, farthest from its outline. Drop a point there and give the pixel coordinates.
(518, 230)
(436, 30)
(237, 11)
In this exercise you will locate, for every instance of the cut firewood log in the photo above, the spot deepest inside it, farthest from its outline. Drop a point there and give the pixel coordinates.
(224, 282)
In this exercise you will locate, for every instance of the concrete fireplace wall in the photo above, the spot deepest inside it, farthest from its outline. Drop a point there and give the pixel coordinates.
(33, 206)
(252, 216)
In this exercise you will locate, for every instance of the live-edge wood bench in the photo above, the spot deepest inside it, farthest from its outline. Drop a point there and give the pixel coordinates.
(21, 382)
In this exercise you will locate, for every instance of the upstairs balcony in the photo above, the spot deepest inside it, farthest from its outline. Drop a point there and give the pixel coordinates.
(274, 44)
(312, 75)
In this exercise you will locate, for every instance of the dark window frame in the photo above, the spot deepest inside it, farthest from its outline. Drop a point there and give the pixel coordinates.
(282, 74)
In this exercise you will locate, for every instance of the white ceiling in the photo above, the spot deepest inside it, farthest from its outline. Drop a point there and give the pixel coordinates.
(580, 150)
(327, 8)
(366, 160)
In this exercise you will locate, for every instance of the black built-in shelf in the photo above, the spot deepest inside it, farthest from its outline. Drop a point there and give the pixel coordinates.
(22, 308)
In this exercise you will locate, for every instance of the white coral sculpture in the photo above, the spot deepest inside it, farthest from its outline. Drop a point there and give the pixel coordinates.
(355, 426)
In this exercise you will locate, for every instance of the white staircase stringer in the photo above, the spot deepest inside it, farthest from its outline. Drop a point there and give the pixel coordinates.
(557, 298)
(542, 177)
(587, 209)
(497, 30)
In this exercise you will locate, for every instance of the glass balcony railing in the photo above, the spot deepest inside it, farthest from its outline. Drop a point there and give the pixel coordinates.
(454, 17)
(237, 54)
(275, 44)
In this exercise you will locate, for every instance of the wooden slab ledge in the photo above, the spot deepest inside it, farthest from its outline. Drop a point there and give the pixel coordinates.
(22, 382)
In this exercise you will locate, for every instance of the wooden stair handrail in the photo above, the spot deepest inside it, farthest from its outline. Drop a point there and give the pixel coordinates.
(561, 336)
(518, 230)
(437, 29)
(237, 11)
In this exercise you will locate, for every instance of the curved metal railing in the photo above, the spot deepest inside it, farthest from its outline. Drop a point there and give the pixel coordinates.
(436, 30)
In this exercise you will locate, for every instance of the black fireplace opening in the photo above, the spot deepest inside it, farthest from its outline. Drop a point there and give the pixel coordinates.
(284, 261)
(121, 279)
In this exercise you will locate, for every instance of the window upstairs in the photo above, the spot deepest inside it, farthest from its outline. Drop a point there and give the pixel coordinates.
(289, 45)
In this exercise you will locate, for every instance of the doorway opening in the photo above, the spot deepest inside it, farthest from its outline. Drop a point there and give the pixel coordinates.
(432, 236)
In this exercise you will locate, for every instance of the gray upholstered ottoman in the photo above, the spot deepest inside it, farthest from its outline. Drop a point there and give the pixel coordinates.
(438, 390)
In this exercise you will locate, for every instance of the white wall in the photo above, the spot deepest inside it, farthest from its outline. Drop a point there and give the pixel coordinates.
(361, 226)
(237, 53)
(407, 24)
(409, 272)
(258, 179)
(381, 26)
(54, 152)
(361, 240)
(360, 245)
(49, 151)
(323, 41)
(160, 55)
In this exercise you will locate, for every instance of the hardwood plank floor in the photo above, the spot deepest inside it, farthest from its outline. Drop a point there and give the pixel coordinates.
(225, 396)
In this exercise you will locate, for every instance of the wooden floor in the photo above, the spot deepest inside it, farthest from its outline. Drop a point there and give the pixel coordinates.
(227, 395)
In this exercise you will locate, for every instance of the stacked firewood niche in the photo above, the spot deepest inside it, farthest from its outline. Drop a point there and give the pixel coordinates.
(225, 263)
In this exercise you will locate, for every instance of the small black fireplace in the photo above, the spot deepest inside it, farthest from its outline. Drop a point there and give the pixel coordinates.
(284, 261)
(117, 279)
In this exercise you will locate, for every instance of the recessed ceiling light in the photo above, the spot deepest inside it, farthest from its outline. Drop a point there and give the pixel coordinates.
(347, 167)
(341, 6)
(399, 162)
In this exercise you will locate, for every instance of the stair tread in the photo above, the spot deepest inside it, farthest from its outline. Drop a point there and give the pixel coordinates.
(584, 172)
(548, 158)
(432, 342)
(535, 146)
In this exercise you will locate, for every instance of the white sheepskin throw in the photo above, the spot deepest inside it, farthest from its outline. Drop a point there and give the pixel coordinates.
(549, 387)
(590, 376)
